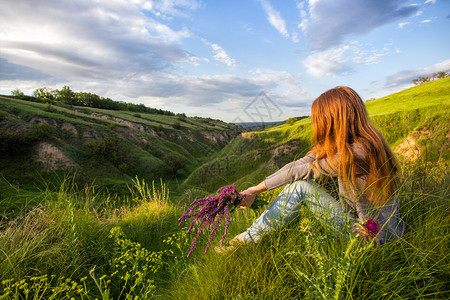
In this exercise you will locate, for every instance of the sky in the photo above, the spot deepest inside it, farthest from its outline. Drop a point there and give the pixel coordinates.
(235, 60)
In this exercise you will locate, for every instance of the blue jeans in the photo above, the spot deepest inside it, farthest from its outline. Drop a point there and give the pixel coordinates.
(287, 205)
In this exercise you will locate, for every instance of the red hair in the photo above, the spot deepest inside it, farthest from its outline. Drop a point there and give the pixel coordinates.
(340, 119)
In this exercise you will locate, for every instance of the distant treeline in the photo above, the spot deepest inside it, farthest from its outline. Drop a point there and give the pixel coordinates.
(435, 76)
(69, 97)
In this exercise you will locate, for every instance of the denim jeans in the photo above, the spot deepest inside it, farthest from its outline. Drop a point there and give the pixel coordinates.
(287, 205)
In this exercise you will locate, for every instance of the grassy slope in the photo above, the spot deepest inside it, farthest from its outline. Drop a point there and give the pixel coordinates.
(422, 96)
(144, 144)
(422, 112)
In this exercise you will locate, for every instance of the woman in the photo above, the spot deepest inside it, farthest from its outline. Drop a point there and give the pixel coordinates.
(347, 150)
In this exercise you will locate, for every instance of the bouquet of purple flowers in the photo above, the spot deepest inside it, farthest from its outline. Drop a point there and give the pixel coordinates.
(207, 213)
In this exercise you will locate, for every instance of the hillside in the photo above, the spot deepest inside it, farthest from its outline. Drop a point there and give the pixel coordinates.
(111, 147)
(414, 121)
(107, 147)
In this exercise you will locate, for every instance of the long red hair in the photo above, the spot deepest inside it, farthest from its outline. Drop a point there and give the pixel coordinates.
(340, 119)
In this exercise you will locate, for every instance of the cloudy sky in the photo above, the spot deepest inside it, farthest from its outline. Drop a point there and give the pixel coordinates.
(218, 59)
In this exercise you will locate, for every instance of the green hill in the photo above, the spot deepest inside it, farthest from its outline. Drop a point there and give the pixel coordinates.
(43, 143)
(414, 121)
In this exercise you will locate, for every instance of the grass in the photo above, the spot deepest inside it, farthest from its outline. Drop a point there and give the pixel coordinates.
(110, 250)
(415, 267)
(74, 233)
(429, 94)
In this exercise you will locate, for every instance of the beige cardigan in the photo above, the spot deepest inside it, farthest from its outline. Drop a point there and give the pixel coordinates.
(352, 199)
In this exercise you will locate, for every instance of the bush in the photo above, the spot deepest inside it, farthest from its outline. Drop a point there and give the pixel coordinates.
(39, 132)
(17, 93)
(176, 125)
(182, 117)
(49, 107)
(174, 162)
(13, 142)
(291, 121)
(106, 149)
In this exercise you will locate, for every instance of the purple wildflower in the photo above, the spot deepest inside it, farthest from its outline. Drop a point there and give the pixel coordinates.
(368, 230)
(372, 227)
(207, 213)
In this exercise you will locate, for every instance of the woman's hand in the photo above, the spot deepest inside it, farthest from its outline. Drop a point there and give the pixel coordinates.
(250, 196)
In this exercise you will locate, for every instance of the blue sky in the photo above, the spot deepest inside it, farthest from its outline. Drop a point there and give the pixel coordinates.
(214, 58)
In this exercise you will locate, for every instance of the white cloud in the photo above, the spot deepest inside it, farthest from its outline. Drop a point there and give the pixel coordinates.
(222, 56)
(328, 62)
(274, 18)
(401, 25)
(303, 15)
(169, 8)
(105, 39)
(339, 60)
(330, 21)
(165, 31)
(295, 37)
(425, 21)
(286, 87)
(285, 90)
(195, 60)
(430, 1)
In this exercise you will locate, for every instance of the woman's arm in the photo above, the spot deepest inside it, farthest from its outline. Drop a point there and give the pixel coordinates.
(293, 171)
(299, 169)
(251, 194)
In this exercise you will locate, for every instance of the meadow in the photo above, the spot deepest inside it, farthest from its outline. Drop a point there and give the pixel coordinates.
(82, 242)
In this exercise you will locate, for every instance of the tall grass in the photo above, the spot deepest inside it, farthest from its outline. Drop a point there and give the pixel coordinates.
(305, 260)
(77, 243)
(80, 243)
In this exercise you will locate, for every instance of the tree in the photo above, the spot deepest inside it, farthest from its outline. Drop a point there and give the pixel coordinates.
(174, 163)
(17, 93)
(182, 117)
(421, 80)
(66, 95)
(87, 99)
(44, 93)
(442, 74)
(424, 79)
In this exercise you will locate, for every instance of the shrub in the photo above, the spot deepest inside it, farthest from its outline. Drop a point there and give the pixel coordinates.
(106, 149)
(49, 107)
(176, 125)
(182, 117)
(13, 142)
(39, 132)
(291, 121)
(17, 93)
(174, 162)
